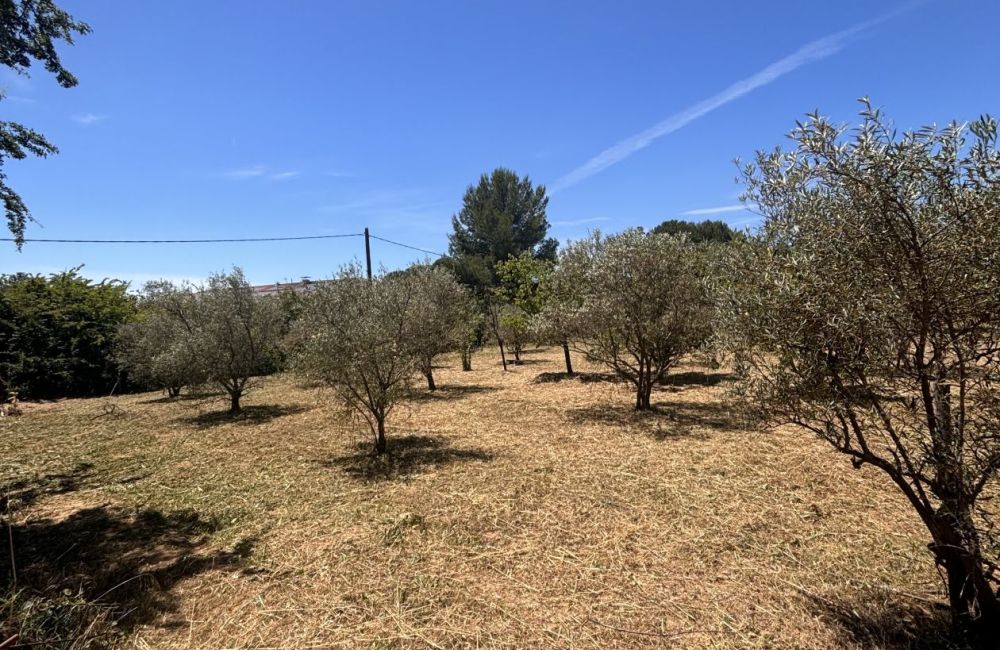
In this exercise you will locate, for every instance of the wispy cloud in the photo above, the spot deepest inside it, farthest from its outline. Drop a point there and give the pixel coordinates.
(814, 51)
(88, 119)
(372, 201)
(260, 171)
(719, 210)
(387, 202)
(579, 222)
(408, 210)
(246, 172)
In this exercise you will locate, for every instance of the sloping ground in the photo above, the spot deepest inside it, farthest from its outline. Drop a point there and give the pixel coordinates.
(514, 512)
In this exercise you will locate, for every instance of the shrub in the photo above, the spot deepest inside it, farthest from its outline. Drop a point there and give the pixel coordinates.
(57, 334)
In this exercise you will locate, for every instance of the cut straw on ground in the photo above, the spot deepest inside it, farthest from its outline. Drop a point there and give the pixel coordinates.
(512, 512)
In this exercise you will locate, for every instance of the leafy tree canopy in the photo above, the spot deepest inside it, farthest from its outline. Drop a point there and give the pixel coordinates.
(502, 216)
(642, 302)
(155, 347)
(237, 333)
(355, 335)
(524, 282)
(440, 318)
(866, 310)
(29, 30)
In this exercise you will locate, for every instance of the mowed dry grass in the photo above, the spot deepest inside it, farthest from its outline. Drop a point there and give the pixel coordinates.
(513, 513)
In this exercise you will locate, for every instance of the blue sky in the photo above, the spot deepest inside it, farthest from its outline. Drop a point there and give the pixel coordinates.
(257, 119)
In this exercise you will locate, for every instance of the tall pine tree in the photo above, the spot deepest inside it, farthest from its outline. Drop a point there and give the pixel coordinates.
(502, 216)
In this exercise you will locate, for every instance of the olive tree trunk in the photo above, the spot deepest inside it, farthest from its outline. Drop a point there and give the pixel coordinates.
(975, 606)
(569, 360)
(643, 385)
(642, 396)
(380, 442)
(235, 389)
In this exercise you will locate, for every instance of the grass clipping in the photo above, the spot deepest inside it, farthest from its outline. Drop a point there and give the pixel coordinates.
(512, 511)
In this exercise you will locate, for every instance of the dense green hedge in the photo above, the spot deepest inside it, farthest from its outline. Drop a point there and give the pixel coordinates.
(57, 332)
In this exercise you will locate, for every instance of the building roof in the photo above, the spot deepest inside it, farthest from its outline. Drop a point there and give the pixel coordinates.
(302, 286)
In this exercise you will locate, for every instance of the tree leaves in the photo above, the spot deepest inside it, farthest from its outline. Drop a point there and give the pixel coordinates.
(29, 30)
(866, 310)
(634, 302)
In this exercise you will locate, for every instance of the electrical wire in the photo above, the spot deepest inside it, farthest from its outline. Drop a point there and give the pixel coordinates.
(396, 243)
(181, 241)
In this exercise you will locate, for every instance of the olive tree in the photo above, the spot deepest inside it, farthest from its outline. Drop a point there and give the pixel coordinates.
(436, 320)
(564, 295)
(867, 311)
(469, 332)
(354, 335)
(644, 305)
(237, 334)
(493, 309)
(156, 347)
(513, 327)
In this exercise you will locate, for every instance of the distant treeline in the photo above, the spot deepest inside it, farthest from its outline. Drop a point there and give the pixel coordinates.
(58, 333)
(710, 230)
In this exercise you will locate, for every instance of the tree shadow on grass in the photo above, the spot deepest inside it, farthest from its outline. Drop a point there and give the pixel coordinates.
(888, 620)
(447, 392)
(582, 377)
(256, 414)
(407, 455)
(104, 564)
(183, 397)
(704, 415)
(525, 362)
(664, 421)
(695, 378)
(22, 493)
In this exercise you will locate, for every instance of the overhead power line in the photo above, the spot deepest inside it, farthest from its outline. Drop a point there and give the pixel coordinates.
(396, 243)
(181, 241)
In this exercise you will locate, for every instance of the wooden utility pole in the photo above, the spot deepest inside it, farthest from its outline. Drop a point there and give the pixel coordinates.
(368, 254)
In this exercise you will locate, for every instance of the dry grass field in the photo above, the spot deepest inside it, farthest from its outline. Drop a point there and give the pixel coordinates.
(517, 509)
